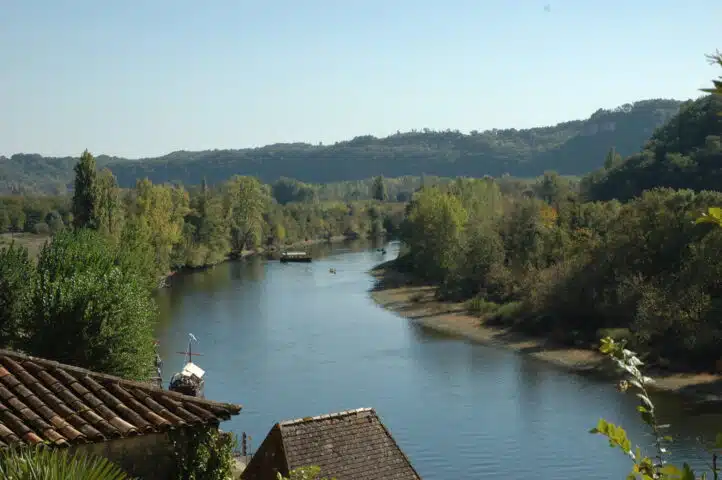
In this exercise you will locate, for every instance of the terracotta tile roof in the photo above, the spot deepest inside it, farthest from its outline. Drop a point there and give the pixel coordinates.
(42, 401)
(349, 445)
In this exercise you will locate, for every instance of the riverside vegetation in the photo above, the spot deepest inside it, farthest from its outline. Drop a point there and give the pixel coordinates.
(555, 261)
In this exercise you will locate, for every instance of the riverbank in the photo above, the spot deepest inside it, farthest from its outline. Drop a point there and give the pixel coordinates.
(401, 294)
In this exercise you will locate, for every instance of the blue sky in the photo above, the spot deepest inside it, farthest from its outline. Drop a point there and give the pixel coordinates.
(144, 78)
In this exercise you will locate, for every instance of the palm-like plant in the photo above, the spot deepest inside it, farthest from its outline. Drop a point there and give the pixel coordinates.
(52, 464)
(715, 59)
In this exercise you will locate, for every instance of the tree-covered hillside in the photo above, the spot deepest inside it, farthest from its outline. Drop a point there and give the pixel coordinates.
(685, 153)
(570, 148)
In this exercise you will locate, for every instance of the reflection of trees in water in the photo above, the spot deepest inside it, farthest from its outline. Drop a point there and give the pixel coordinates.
(530, 377)
(249, 269)
(451, 356)
(422, 333)
(689, 424)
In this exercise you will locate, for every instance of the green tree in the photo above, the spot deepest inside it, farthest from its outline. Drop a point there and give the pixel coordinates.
(85, 195)
(16, 275)
(108, 208)
(86, 310)
(378, 190)
(4, 220)
(206, 230)
(247, 204)
(55, 221)
(158, 217)
(715, 59)
(433, 231)
(17, 221)
(612, 159)
(553, 189)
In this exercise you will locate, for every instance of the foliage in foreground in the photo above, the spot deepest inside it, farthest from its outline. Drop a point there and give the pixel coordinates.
(80, 304)
(52, 464)
(645, 467)
(203, 453)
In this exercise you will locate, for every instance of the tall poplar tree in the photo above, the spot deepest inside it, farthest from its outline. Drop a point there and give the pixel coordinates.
(85, 196)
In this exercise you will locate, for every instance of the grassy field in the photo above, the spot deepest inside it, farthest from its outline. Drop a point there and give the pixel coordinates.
(33, 242)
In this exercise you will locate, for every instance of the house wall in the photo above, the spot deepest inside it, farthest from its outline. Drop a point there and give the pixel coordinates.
(148, 456)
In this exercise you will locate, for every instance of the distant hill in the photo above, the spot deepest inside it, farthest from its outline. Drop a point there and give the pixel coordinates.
(684, 153)
(571, 148)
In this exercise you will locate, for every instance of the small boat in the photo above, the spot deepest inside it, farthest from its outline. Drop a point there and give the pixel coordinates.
(190, 380)
(295, 257)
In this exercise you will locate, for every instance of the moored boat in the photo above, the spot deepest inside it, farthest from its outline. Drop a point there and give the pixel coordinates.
(295, 257)
(191, 380)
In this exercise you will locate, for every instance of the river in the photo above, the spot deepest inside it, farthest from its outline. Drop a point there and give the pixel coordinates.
(293, 340)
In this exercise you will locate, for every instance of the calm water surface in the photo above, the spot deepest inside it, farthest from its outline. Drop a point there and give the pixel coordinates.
(292, 340)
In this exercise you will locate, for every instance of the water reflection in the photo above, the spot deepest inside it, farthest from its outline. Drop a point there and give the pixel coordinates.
(292, 340)
(248, 269)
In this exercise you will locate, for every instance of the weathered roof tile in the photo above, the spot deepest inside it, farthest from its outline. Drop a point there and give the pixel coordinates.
(42, 401)
(349, 445)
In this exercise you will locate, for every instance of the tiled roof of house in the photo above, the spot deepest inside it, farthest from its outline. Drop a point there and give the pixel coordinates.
(353, 444)
(43, 401)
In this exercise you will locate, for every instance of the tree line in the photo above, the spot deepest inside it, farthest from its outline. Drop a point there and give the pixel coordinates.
(571, 148)
(551, 262)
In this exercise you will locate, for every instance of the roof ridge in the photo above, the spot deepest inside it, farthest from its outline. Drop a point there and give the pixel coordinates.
(326, 416)
(22, 357)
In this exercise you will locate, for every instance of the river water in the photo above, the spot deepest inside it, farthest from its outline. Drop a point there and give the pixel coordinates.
(293, 340)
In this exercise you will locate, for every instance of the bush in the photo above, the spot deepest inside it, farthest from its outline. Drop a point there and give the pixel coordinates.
(507, 314)
(42, 463)
(480, 306)
(84, 309)
(16, 275)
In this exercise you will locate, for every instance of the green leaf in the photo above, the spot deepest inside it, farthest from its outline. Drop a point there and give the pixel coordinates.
(687, 472)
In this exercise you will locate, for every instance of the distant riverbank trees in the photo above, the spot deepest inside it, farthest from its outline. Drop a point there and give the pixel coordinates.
(202, 225)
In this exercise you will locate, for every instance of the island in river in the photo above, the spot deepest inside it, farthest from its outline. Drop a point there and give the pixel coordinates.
(398, 292)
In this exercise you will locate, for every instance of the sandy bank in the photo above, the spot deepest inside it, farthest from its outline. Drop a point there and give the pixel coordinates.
(396, 292)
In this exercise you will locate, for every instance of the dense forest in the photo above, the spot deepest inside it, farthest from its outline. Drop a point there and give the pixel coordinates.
(570, 148)
(551, 262)
(685, 153)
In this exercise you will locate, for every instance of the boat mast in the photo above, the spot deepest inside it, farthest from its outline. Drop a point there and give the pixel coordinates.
(190, 353)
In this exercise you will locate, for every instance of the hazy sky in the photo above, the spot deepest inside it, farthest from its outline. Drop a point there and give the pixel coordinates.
(144, 78)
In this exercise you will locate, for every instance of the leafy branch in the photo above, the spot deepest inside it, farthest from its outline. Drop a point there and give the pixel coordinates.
(644, 467)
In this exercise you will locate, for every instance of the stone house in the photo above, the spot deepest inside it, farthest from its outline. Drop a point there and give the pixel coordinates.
(349, 445)
(46, 402)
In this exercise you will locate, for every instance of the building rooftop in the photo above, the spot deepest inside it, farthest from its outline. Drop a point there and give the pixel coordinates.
(42, 401)
(352, 444)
